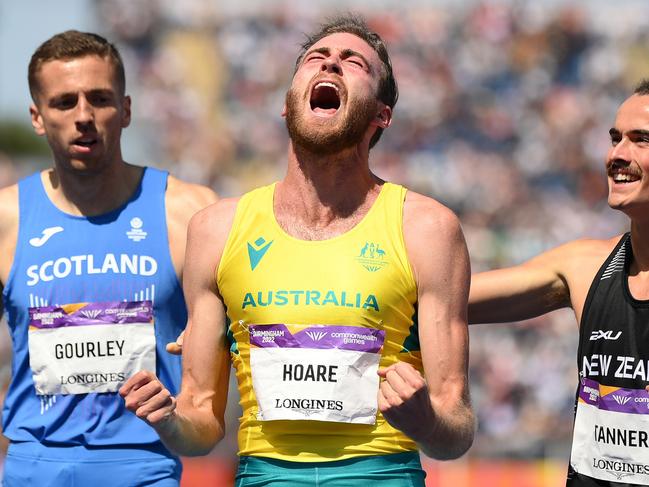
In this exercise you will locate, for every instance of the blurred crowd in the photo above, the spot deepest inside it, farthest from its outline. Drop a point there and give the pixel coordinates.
(503, 115)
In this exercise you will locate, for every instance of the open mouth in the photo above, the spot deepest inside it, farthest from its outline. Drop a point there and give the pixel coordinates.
(623, 175)
(325, 98)
(85, 141)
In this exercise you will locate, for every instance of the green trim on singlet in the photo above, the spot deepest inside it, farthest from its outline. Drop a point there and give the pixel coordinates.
(229, 336)
(411, 343)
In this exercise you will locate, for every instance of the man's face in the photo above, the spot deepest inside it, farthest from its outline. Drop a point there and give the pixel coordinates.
(627, 162)
(332, 104)
(80, 109)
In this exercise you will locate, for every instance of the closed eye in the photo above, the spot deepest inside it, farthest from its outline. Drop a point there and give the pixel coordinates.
(314, 57)
(356, 63)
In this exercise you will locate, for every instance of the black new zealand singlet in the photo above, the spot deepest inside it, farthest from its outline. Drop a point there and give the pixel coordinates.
(611, 434)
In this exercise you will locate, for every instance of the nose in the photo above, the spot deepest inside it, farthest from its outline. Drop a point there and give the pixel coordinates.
(621, 151)
(85, 113)
(331, 64)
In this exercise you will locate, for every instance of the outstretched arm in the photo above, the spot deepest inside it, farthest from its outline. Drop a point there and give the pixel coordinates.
(538, 286)
(434, 410)
(194, 423)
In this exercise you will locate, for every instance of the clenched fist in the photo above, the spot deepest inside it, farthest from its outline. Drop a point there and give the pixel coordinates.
(148, 398)
(404, 400)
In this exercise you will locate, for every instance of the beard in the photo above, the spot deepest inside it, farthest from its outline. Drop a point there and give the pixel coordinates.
(334, 135)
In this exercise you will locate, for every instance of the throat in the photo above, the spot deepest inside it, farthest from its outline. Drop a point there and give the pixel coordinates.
(308, 216)
(639, 285)
(324, 229)
(91, 196)
(639, 289)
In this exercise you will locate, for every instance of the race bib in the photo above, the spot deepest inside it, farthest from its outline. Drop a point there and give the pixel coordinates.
(319, 373)
(90, 347)
(611, 436)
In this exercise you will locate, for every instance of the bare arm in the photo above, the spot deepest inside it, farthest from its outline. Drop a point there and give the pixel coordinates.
(554, 279)
(434, 411)
(8, 233)
(182, 200)
(8, 239)
(194, 423)
(518, 293)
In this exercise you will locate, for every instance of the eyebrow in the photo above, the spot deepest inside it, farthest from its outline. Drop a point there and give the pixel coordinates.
(613, 132)
(345, 53)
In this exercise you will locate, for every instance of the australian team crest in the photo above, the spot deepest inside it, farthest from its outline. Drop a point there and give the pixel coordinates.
(372, 257)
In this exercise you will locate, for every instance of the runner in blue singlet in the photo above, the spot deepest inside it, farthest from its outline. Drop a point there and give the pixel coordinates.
(91, 254)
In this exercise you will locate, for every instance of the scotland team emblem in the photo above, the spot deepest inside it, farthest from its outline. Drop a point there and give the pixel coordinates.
(136, 233)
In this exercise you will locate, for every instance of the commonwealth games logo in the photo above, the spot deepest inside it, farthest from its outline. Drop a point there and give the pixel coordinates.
(372, 257)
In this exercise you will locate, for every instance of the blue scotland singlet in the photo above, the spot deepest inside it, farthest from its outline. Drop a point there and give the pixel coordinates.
(121, 258)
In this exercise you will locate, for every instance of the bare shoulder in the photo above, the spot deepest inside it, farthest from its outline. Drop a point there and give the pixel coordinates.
(594, 248)
(425, 216)
(435, 244)
(577, 256)
(577, 263)
(215, 220)
(182, 201)
(188, 196)
(9, 215)
(9, 205)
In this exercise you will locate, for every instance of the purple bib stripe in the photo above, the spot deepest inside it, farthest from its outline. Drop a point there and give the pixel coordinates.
(355, 338)
(630, 401)
(110, 313)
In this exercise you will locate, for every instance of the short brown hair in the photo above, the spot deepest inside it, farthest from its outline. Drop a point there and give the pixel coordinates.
(73, 44)
(353, 24)
(642, 88)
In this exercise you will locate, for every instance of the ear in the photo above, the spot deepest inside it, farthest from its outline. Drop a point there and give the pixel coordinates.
(126, 112)
(37, 119)
(284, 111)
(384, 117)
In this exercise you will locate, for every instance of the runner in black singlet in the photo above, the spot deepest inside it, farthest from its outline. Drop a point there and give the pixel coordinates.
(606, 282)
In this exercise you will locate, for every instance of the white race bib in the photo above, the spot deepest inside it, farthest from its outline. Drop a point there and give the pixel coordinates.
(611, 436)
(90, 347)
(319, 372)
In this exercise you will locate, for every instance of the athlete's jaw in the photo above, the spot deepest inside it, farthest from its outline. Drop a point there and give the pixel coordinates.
(328, 133)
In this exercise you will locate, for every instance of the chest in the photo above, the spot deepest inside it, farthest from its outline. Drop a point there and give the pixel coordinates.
(614, 336)
(62, 260)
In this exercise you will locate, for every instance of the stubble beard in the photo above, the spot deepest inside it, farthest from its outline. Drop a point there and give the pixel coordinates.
(335, 135)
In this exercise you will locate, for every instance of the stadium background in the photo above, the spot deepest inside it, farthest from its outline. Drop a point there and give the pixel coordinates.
(503, 115)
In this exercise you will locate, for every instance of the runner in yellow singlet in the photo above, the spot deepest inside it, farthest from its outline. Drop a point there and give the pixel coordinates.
(340, 300)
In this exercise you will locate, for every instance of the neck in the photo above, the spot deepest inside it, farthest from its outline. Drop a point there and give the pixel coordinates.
(91, 193)
(640, 244)
(335, 184)
(322, 196)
